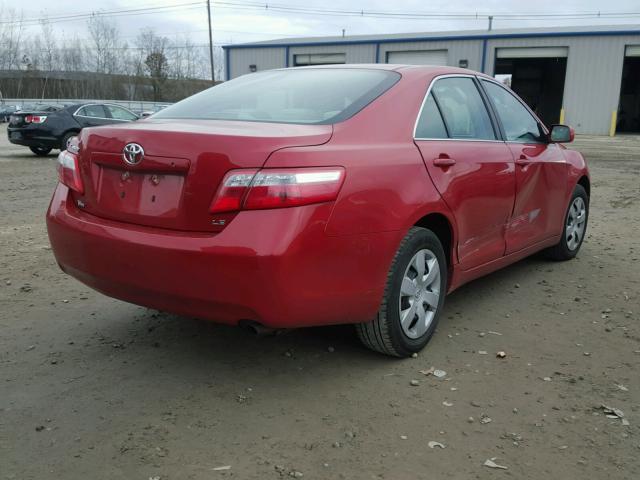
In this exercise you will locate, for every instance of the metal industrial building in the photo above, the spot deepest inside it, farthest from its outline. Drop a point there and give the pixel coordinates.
(587, 77)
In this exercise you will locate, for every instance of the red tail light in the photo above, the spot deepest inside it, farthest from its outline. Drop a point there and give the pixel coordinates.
(291, 187)
(69, 171)
(232, 191)
(35, 118)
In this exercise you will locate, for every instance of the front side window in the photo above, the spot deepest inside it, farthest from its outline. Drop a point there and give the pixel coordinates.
(463, 109)
(120, 113)
(303, 96)
(519, 125)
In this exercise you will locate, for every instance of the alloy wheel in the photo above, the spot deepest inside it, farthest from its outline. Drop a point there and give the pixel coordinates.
(419, 293)
(576, 222)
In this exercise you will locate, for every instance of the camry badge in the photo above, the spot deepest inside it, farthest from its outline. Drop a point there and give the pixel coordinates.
(132, 153)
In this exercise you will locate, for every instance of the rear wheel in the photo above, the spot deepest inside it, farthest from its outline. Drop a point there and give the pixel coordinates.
(575, 227)
(41, 151)
(413, 297)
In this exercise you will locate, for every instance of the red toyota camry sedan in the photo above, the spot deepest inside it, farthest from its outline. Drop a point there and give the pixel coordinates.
(343, 194)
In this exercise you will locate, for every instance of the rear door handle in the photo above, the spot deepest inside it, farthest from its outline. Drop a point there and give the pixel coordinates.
(443, 161)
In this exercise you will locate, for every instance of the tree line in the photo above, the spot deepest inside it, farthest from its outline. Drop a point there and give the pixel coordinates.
(103, 65)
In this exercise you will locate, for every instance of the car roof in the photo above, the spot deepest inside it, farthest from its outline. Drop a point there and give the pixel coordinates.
(403, 68)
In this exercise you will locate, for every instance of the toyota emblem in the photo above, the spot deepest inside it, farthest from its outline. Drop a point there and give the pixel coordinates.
(132, 153)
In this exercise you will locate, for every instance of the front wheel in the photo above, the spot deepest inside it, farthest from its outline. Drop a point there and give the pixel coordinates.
(41, 151)
(64, 143)
(575, 227)
(413, 297)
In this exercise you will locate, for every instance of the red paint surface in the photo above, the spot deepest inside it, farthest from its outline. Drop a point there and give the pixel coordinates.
(146, 234)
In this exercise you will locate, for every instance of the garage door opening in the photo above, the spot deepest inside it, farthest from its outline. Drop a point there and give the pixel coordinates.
(306, 59)
(629, 108)
(537, 75)
(418, 57)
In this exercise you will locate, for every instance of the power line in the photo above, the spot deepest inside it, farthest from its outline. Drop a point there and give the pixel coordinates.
(217, 30)
(320, 11)
(167, 47)
(105, 13)
(413, 15)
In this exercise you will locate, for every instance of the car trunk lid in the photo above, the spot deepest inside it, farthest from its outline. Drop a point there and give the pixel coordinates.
(184, 161)
(18, 119)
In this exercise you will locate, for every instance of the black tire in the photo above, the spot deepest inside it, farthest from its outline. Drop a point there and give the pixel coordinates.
(562, 250)
(385, 333)
(41, 151)
(65, 139)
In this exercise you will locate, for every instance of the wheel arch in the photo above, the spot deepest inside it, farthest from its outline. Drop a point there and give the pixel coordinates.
(74, 130)
(586, 184)
(443, 227)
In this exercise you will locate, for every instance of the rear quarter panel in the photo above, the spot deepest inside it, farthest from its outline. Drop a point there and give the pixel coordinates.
(387, 187)
(386, 191)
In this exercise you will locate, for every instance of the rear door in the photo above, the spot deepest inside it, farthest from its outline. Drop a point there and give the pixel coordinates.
(92, 115)
(470, 166)
(541, 171)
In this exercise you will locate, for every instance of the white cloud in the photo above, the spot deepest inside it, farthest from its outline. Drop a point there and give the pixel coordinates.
(237, 25)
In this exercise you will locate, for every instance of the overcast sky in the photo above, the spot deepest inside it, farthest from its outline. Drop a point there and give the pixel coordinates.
(237, 24)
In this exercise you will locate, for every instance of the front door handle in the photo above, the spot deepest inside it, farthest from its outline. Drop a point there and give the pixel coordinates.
(523, 160)
(443, 161)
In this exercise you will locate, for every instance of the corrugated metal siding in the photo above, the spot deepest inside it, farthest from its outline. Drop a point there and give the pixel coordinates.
(594, 73)
(592, 84)
(262, 58)
(470, 50)
(354, 53)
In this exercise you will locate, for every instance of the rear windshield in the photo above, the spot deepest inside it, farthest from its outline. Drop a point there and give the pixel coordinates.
(307, 96)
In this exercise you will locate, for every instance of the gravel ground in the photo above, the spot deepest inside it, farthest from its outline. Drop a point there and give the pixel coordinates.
(91, 387)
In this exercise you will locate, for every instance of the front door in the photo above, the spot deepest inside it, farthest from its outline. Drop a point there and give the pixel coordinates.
(540, 172)
(471, 168)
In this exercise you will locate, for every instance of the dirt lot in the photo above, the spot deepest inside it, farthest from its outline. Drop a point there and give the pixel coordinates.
(94, 388)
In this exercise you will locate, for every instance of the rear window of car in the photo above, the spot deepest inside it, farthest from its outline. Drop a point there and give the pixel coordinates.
(304, 96)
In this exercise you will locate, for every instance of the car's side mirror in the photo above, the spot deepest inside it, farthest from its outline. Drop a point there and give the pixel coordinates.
(561, 134)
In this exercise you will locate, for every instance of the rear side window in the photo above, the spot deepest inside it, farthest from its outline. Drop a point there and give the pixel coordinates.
(120, 113)
(430, 124)
(96, 111)
(304, 96)
(519, 125)
(463, 109)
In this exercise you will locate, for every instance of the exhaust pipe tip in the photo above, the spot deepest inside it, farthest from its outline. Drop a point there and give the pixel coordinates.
(258, 329)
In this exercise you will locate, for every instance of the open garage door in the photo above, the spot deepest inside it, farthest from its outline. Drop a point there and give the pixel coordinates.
(629, 108)
(418, 57)
(305, 59)
(537, 75)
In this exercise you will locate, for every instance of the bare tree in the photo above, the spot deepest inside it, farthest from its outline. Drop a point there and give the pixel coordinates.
(153, 48)
(49, 49)
(10, 35)
(50, 65)
(104, 36)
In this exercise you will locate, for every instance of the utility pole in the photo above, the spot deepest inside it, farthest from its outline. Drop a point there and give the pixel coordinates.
(490, 22)
(213, 75)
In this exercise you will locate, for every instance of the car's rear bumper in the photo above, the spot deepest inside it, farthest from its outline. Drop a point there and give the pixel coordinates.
(275, 267)
(31, 138)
